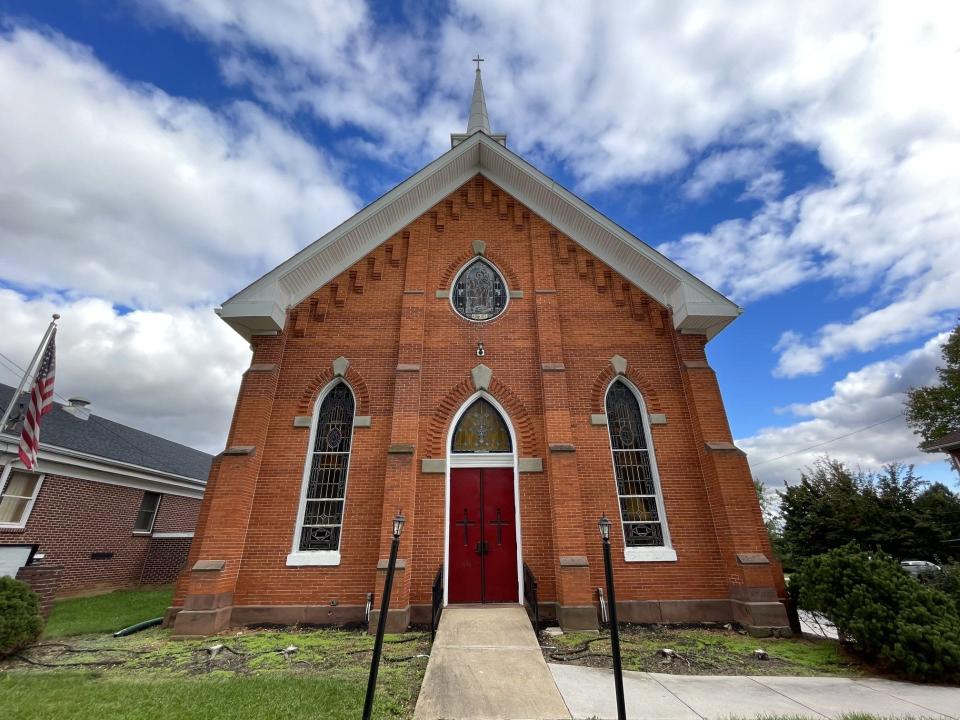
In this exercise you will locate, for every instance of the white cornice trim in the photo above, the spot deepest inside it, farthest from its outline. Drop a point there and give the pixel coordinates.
(262, 306)
(71, 463)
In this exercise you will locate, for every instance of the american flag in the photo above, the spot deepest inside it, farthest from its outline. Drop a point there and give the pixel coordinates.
(41, 402)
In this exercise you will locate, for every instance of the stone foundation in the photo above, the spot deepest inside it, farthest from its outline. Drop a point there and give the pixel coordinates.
(762, 618)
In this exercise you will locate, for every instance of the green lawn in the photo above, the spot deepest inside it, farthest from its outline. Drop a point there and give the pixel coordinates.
(106, 613)
(78, 670)
(705, 651)
(89, 695)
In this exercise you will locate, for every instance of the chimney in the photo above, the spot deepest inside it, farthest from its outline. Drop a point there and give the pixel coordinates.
(78, 407)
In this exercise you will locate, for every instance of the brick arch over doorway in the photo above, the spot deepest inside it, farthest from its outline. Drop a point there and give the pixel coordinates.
(528, 444)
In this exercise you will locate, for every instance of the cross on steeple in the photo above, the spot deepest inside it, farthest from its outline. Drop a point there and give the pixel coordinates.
(478, 60)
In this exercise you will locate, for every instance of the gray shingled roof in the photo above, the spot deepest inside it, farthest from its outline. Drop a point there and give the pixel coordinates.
(111, 440)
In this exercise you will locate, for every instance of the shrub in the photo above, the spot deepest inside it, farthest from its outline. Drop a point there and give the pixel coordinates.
(947, 580)
(882, 612)
(20, 621)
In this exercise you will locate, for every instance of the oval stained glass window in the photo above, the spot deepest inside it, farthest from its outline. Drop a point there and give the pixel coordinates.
(479, 292)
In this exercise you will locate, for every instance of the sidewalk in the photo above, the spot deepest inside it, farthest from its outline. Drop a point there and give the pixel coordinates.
(589, 693)
(486, 664)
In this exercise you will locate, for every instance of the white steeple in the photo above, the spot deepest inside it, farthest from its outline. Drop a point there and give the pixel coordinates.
(479, 120)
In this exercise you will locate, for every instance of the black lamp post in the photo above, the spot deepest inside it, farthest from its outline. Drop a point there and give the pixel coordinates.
(604, 525)
(398, 522)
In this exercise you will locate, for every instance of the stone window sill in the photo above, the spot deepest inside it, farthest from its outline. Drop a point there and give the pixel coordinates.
(315, 558)
(650, 554)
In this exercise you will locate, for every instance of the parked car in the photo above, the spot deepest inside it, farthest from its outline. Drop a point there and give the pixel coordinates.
(919, 567)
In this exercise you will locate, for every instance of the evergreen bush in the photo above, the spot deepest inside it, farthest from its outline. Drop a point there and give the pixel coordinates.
(883, 613)
(20, 621)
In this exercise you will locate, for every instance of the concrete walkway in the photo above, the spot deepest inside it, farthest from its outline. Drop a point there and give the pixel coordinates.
(589, 693)
(486, 664)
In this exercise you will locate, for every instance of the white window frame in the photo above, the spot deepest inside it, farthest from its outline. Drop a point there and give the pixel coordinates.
(153, 520)
(8, 469)
(463, 269)
(323, 558)
(665, 552)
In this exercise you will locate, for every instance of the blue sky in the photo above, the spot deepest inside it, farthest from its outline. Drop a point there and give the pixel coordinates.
(157, 156)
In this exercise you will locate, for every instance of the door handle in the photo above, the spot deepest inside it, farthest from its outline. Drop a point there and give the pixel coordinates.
(481, 548)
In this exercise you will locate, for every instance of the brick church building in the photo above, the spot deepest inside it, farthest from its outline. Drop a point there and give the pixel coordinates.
(484, 351)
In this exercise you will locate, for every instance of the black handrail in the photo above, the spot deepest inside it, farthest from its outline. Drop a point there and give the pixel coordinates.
(530, 595)
(436, 607)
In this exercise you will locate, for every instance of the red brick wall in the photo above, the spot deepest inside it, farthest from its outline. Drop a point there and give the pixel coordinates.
(44, 580)
(166, 557)
(575, 314)
(73, 518)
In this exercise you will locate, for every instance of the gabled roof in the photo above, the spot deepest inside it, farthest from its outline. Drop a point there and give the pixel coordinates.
(946, 443)
(261, 307)
(110, 440)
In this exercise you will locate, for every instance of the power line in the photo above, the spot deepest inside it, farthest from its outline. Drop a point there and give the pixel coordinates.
(827, 442)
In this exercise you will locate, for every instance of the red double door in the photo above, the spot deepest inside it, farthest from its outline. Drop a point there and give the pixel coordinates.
(483, 536)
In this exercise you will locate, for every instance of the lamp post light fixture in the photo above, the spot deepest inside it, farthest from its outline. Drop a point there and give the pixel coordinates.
(604, 526)
(398, 522)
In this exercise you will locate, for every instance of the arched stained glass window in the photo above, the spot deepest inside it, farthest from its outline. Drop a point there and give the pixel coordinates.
(481, 429)
(479, 292)
(326, 486)
(637, 484)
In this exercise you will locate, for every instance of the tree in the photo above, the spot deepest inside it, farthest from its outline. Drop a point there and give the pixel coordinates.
(771, 516)
(893, 510)
(830, 507)
(932, 411)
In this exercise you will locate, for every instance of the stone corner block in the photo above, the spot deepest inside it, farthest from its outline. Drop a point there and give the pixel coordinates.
(516, 294)
(752, 559)
(479, 247)
(574, 561)
(433, 466)
(619, 364)
(658, 419)
(530, 465)
(240, 450)
(362, 421)
(598, 419)
(340, 366)
(209, 565)
(262, 367)
(400, 449)
(562, 447)
(302, 421)
(481, 375)
(723, 447)
(442, 294)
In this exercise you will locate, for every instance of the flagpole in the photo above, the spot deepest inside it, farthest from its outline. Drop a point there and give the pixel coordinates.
(15, 398)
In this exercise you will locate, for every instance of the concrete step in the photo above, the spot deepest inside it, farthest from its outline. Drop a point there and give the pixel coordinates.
(486, 664)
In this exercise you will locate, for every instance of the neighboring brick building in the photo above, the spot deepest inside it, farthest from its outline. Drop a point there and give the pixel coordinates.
(482, 350)
(108, 506)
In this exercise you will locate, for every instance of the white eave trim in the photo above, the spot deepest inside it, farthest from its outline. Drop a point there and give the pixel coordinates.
(261, 307)
(53, 460)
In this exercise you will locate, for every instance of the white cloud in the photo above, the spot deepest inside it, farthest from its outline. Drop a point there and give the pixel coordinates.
(625, 92)
(331, 58)
(867, 397)
(745, 164)
(174, 373)
(119, 190)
